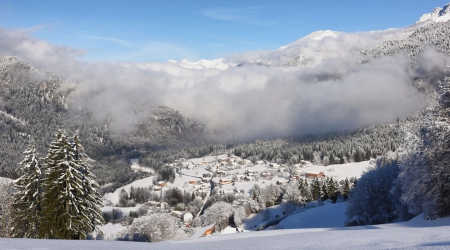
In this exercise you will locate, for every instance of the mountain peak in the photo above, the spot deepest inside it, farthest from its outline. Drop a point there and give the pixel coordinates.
(437, 15)
(316, 35)
(203, 64)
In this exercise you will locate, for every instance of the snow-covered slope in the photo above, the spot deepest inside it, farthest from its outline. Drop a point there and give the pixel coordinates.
(315, 36)
(327, 216)
(415, 234)
(437, 15)
(203, 64)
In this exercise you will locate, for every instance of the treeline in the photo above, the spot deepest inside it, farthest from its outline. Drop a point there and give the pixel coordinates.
(433, 35)
(327, 149)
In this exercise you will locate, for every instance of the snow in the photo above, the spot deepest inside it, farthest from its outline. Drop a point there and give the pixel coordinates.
(230, 230)
(125, 210)
(314, 36)
(143, 183)
(340, 171)
(136, 167)
(201, 231)
(109, 230)
(4, 180)
(437, 15)
(417, 233)
(203, 64)
(327, 216)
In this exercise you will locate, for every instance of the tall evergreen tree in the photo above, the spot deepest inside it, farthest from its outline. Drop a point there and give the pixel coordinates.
(28, 197)
(70, 203)
(91, 199)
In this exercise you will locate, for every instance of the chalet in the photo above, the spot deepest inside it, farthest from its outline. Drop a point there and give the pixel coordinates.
(280, 182)
(305, 163)
(192, 182)
(177, 214)
(274, 165)
(225, 181)
(156, 188)
(260, 162)
(190, 166)
(209, 230)
(201, 232)
(295, 177)
(249, 178)
(161, 183)
(265, 175)
(314, 175)
(221, 173)
(238, 177)
(234, 159)
(187, 218)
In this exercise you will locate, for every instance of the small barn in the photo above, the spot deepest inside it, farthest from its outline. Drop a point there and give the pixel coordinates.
(315, 175)
(225, 181)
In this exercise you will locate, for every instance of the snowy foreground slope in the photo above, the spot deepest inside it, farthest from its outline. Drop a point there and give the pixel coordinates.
(415, 234)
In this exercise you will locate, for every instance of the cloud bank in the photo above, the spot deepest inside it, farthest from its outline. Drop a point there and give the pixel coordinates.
(335, 93)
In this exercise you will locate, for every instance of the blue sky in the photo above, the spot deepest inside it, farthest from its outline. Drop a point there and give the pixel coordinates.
(142, 31)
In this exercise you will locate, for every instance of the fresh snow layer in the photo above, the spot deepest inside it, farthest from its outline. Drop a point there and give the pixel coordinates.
(327, 216)
(136, 167)
(437, 15)
(415, 234)
(203, 64)
(315, 36)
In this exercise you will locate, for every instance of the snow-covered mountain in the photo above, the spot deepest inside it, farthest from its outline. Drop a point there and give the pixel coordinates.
(316, 35)
(437, 15)
(204, 64)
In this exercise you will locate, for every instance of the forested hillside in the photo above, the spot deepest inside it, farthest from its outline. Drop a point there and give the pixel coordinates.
(35, 103)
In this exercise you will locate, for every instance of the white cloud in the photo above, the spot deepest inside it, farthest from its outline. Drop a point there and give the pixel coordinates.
(245, 15)
(253, 101)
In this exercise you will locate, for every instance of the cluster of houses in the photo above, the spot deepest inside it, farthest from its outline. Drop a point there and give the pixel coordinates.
(200, 187)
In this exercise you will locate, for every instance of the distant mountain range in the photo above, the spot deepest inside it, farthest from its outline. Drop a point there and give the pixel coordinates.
(438, 15)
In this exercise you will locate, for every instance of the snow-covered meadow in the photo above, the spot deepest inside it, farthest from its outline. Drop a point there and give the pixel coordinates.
(414, 234)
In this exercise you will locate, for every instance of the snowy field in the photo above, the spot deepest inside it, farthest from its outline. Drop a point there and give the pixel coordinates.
(415, 234)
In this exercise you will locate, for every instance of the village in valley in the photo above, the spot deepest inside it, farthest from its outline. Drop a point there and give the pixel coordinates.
(222, 174)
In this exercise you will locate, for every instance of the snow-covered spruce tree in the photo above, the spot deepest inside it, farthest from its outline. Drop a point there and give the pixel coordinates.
(69, 211)
(425, 170)
(28, 197)
(371, 201)
(91, 199)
